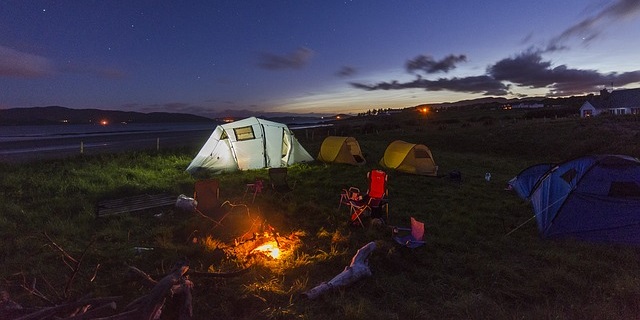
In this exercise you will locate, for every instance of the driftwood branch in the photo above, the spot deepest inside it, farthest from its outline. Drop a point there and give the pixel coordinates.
(64, 253)
(96, 312)
(183, 290)
(76, 262)
(220, 274)
(33, 290)
(358, 269)
(153, 306)
(150, 306)
(76, 268)
(175, 286)
(47, 313)
(146, 279)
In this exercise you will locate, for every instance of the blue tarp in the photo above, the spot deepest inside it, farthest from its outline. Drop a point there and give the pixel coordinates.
(594, 198)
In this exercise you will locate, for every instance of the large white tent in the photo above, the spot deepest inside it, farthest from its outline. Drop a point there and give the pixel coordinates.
(251, 143)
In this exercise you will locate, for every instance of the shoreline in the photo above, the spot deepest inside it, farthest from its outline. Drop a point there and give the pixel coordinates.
(68, 145)
(64, 147)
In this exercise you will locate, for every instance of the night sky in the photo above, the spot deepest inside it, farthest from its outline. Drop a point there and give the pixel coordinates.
(217, 58)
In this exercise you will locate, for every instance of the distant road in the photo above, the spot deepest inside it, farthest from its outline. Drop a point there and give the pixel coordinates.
(55, 148)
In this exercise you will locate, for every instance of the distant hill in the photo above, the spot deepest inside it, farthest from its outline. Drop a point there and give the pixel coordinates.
(484, 100)
(293, 120)
(59, 115)
(567, 101)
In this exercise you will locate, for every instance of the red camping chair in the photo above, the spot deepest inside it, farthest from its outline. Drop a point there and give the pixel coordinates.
(374, 201)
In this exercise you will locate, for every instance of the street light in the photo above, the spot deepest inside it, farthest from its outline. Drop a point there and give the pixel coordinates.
(424, 111)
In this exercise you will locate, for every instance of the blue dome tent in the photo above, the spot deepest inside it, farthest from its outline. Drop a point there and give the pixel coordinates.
(526, 180)
(594, 198)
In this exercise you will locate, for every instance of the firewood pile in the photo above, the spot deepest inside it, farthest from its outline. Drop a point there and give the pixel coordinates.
(171, 293)
(173, 289)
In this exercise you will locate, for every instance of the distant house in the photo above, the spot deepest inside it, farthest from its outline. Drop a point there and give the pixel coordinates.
(614, 102)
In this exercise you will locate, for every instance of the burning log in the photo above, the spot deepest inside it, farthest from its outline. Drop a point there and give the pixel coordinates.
(358, 269)
(266, 245)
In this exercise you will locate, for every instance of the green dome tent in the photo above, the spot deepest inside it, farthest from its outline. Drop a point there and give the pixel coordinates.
(410, 158)
(341, 150)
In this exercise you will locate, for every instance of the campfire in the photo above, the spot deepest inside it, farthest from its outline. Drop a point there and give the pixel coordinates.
(267, 246)
(270, 249)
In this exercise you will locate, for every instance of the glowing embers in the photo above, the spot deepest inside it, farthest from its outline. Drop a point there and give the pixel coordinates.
(241, 241)
(269, 249)
(267, 244)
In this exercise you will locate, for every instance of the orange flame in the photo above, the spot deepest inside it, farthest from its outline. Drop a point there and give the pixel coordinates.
(270, 248)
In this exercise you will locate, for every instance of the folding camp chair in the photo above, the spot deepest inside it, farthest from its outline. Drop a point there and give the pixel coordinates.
(207, 194)
(278, 177)
(374, 201)
(347, 195)
(253, 188)
(414, 239)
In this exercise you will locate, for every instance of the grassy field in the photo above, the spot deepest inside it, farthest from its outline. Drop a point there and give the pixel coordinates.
(469, 269)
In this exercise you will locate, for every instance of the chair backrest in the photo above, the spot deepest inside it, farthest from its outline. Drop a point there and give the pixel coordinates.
(278, 176)
(207, 194)
(377, 184)
(417, 229)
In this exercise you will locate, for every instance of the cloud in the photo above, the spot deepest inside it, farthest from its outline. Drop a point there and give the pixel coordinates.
(102, 72)
(590, 28)
(346, 72)
(295, 60)
(476, 84)
(176, 106)
(482, 84)
(18, 64)
(528, 69)
(429, 65)
(173, 107)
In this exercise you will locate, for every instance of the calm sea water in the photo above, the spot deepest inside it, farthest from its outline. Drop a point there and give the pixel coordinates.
(19, 143)
(45, 132)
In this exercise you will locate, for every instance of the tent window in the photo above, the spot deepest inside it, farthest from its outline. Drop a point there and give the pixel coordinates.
(624, 189)
(224, 135)
(420, 153)
(569, 175)
(244, 133)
